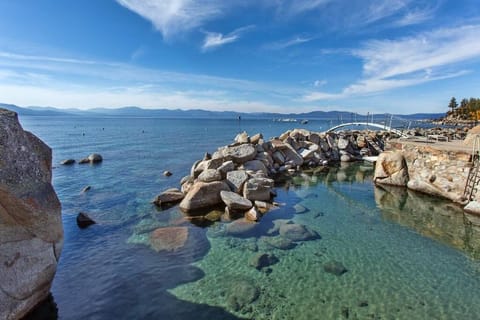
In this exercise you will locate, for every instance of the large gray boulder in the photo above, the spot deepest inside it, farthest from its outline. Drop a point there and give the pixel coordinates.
(234, 201)
(258, 189)
(391, 169)
(255, 165)
(210, 175)
(168, 196)
(236, 180)
(240, 154)
(203, 195)
(31, 233)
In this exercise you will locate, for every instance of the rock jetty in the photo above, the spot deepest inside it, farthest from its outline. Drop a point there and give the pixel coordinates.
(31, 232)
(240, 177)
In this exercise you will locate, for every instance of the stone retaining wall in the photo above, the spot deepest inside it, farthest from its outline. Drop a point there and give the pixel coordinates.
(435, 171)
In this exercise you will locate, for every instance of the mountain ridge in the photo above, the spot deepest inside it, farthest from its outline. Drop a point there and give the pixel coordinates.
(133, 111)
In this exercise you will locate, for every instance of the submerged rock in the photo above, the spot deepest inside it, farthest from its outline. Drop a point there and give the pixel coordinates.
(262, 260)
(168, 238)
(335, 267)
(31, 232)
(240, 227)
(279, 242)
(297, 232)
(241, 293)
(84, 220)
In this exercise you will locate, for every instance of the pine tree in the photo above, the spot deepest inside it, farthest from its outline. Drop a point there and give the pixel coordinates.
(453, 105)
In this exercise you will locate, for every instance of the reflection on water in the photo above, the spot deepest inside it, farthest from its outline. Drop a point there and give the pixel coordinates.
(435, 218)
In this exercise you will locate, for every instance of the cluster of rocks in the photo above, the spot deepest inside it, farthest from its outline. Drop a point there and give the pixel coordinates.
(240, 176)
(457, 133)
(92, 158)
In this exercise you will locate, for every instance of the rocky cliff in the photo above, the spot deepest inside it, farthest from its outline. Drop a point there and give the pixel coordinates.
(31, 233)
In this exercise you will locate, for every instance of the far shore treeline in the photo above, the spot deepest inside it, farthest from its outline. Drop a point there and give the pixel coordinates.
(468, 109)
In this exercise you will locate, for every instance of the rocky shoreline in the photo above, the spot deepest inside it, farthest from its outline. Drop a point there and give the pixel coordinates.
(238, 179)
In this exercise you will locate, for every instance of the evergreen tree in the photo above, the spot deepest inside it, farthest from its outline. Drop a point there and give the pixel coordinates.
(453, 104)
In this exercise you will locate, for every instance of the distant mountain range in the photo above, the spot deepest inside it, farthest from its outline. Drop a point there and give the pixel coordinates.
(200, 114)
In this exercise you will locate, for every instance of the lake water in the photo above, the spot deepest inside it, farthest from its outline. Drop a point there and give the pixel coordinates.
(407, 256)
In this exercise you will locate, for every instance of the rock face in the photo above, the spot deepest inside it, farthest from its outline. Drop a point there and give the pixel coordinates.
(391, 168)
(31, 233)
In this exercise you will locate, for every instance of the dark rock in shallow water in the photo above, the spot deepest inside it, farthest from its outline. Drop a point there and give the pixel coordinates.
(335, 267)
(241, 293)
(262, 260)
(297, 232)
(84, 221)
(68, 162)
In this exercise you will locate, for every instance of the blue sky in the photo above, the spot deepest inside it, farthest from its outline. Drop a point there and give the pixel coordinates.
(394, 56)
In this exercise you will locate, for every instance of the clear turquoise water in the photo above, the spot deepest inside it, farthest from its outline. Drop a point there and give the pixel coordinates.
(408, 256)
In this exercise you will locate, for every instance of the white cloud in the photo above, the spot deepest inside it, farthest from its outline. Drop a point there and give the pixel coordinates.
(215, 39)
(175, 16)
(409, 61)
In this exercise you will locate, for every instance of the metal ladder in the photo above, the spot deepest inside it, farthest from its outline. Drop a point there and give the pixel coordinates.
(473, 179)
(373, 144)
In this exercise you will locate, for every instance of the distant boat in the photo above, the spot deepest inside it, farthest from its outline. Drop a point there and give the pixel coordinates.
(285, 120)
(304, 122)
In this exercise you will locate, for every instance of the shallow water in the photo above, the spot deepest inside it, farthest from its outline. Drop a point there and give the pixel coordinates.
(408, 256)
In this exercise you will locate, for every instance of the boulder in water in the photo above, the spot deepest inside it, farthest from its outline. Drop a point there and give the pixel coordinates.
(67, 162)
(203, 195)
(169, 196)
(84, 220)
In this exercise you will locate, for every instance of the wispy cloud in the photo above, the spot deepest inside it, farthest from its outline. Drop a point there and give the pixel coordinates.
(390, 64)
(175, 16)
(416, 16)
(70, 82)
(279, 45)
(215, 39)
(295, 7)
(319, 83)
